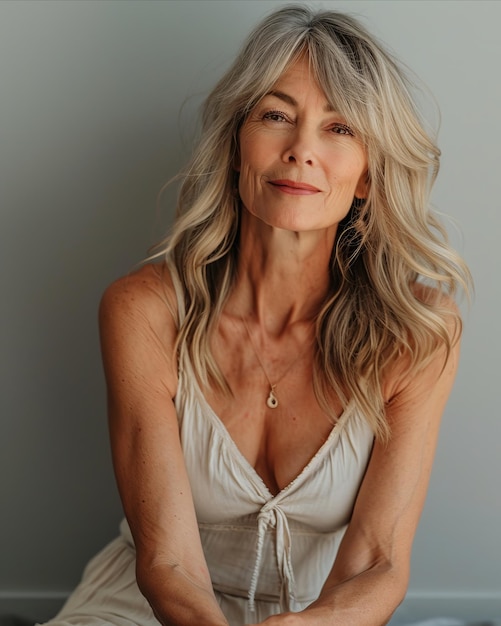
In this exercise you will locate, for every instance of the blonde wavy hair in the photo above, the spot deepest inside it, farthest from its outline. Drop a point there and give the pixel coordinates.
(373, 313)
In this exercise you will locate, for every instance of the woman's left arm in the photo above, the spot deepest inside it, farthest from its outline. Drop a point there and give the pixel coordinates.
(370, 575)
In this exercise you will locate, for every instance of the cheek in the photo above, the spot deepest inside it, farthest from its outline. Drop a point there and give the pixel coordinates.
(246, 183)
(251, 168)
(250, 158)
(351, 170)
(257, 149)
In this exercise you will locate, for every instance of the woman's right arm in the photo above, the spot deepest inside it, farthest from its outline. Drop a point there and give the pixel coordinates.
(138, 332)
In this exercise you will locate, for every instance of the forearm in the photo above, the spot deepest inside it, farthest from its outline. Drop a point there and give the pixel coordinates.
(367, 599)
(177, 598)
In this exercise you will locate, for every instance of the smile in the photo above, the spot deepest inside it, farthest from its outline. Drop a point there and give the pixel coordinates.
(294, 188)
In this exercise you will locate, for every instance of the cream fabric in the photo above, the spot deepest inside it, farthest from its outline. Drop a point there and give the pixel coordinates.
(271, 553)
(265, 553)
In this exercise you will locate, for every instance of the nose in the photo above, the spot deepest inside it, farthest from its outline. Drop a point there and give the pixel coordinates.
(300, 147)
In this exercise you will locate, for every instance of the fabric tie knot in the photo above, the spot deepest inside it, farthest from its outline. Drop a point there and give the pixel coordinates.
(272, 516)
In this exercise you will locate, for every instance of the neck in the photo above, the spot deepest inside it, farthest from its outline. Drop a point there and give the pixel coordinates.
(283, 276)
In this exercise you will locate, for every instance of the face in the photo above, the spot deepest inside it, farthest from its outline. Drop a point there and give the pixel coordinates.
(300, 164)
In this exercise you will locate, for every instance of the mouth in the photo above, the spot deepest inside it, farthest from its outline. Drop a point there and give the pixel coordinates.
(294, 188)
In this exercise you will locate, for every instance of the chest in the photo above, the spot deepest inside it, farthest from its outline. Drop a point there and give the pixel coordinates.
(278, 438)
(226, 488)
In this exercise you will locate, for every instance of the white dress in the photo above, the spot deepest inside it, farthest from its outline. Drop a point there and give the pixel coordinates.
(266, 553)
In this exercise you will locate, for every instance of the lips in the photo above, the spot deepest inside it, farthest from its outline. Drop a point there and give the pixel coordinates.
(293, 187)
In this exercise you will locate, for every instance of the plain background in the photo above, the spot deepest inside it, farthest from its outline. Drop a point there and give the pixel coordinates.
(97, 111)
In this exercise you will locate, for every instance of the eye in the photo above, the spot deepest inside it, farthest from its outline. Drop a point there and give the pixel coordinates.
(276, 116)
(342, 129)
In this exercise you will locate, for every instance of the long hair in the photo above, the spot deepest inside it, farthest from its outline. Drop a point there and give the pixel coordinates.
(372, 314)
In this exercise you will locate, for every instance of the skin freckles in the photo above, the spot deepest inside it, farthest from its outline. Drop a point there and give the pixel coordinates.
(300, 164)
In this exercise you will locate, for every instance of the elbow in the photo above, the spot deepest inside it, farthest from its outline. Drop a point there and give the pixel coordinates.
(392, 579)
(389, 589)
(398, 576)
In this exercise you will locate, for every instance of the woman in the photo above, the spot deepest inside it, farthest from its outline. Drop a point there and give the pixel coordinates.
(276, 383)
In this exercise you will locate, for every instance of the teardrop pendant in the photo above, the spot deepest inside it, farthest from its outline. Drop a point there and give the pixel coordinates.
(272, 401)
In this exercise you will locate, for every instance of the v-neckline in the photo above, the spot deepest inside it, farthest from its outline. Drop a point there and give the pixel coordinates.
(251, 470)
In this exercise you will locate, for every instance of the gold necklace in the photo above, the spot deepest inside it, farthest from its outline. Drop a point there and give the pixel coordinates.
(272, 400)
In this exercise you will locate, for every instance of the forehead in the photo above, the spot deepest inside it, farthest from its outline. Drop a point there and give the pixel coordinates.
(297, 83)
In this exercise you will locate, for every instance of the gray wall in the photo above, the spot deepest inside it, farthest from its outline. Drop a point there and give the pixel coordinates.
(96, 110)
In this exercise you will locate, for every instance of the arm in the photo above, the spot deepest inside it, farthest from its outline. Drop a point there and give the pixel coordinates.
(137, 336)
(370, 575)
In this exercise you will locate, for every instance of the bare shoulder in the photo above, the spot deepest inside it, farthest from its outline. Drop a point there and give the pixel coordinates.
(148, 293)
(138, 327)
(149, 284)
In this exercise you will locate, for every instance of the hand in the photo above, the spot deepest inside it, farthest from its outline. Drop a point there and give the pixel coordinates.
(283, 619)
(310, 616)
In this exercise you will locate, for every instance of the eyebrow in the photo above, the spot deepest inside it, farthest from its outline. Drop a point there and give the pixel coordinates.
(285, 97)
